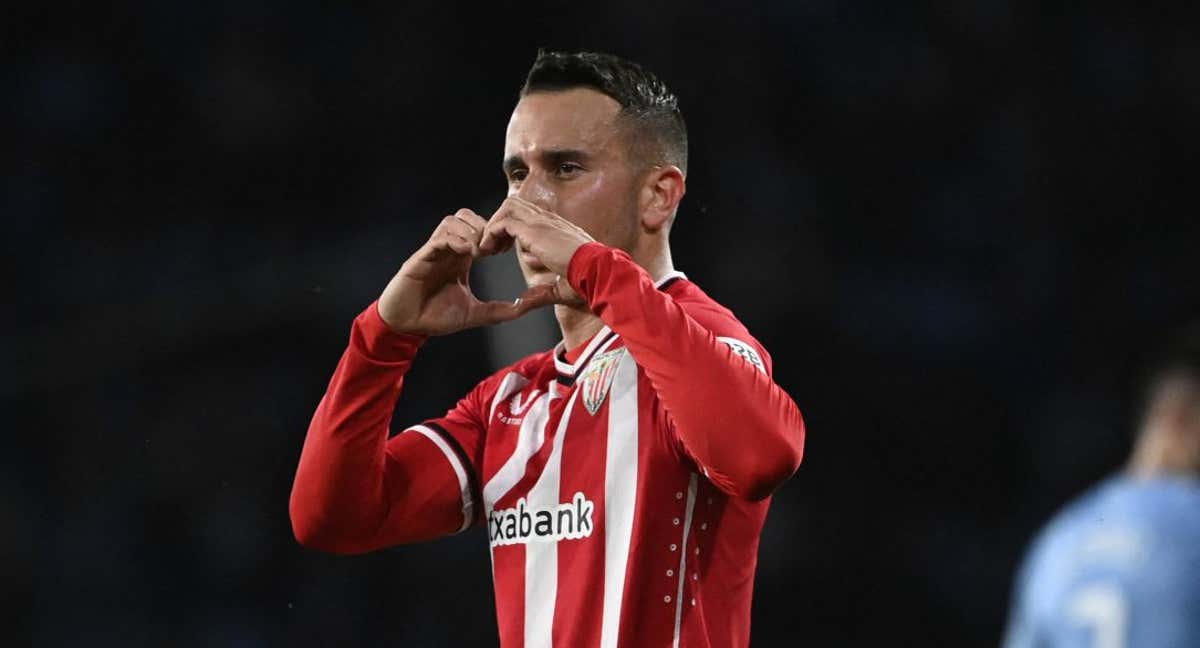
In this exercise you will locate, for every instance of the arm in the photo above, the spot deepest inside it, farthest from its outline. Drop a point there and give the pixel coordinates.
(356, 490)
(740, 427)
(743, 431)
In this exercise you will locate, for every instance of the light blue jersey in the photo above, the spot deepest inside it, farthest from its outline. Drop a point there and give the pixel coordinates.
(1119, 567)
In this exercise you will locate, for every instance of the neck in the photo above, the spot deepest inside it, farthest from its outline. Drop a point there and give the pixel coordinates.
(578, 324)
(654, 254)
(1162, 453)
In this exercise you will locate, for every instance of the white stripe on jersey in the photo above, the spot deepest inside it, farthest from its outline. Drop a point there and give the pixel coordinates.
(468, 503)
(687, 526)
(512, 383)
(620, 493)
(541, 558)
(529, 440)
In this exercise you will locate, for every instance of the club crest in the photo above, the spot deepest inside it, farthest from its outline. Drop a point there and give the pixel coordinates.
(597, 379)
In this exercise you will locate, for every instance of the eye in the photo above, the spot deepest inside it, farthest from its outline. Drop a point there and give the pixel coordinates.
(517, 175)
(569, 168)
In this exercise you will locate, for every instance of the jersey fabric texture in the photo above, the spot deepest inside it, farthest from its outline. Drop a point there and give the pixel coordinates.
(1120, 567)
(623, 494)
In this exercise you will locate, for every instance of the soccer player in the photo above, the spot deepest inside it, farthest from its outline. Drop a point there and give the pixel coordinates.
(623, 477)
(1121, 566)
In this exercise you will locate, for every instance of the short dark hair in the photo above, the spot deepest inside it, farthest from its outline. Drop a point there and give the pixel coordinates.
(651, 109)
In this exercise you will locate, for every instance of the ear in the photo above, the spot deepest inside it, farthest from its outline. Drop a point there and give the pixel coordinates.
(662, 189)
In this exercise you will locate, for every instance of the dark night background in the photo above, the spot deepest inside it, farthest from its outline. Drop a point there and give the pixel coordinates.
(956, 227)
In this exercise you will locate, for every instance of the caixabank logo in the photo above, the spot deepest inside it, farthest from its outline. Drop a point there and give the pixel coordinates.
(521, 524)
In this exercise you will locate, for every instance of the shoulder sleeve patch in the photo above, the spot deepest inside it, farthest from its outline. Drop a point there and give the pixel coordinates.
(744, 350)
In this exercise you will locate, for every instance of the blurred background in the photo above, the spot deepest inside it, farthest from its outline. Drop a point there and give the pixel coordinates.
(955, 226)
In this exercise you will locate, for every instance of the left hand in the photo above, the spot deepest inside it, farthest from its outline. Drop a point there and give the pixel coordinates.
(544, 234)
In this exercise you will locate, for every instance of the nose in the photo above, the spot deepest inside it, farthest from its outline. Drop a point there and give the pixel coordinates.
(537, 191)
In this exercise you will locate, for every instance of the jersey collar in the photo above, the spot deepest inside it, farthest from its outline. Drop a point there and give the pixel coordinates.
(602, 338)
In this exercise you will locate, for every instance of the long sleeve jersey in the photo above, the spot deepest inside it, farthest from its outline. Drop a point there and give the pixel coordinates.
(623, 489)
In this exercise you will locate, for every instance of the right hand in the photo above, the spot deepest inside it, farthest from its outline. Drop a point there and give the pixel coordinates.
(431, 294)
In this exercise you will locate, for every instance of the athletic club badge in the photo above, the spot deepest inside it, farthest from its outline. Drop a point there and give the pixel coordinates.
(597, 379)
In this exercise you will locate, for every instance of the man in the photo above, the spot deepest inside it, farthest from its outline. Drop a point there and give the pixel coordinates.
(1121, 567)
(625, 475)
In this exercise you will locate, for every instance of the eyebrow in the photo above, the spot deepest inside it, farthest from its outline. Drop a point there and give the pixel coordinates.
(548, 157)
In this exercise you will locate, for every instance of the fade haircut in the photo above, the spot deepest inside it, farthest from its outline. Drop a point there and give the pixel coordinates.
(657, 133)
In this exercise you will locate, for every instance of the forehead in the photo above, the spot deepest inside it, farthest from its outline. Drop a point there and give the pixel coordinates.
(579, 118)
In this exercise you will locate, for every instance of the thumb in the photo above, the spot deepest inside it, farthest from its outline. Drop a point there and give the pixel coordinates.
(495, 312)
(555, 292)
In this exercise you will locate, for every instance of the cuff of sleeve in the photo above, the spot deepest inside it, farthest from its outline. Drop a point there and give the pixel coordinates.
(581, 268)
(379, 342)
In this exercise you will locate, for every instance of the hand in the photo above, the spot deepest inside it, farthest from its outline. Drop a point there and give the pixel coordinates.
(547, 236)
(431, 295)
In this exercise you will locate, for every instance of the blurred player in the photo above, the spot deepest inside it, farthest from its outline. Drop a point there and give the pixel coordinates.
(624, 476)
(1121, 566)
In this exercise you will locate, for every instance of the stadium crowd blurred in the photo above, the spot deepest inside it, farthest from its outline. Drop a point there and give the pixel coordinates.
(955, 226)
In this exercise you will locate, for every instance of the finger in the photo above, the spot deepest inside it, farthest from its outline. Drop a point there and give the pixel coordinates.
(539, 296)
(454, 243)
(509, 230)
(495, 237)
(518, 207)
(496, 312)
(463, 230)
(476, 221)
(494, 242)
(555, 292)
(530, 207)
(565, 294)
(488, 242)
(515, 208)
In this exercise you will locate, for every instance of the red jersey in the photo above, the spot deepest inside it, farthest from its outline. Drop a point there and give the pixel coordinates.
(623, 493)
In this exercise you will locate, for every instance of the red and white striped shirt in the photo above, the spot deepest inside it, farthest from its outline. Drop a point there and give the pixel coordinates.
(623, 492)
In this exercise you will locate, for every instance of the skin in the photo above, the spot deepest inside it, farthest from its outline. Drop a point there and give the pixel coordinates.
(572, 179)
(1169, 441)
